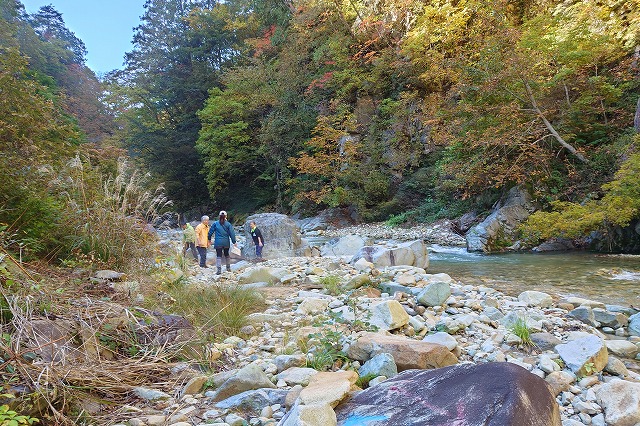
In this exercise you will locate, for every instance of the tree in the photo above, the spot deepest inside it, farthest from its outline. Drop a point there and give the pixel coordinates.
(50, 26)
(168, 75)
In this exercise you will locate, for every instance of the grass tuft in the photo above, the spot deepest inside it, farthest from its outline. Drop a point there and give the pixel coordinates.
(522, 330)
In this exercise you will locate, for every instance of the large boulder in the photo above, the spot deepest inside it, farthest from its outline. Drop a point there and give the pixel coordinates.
(407, 353)
(500, 227)
(281, 236)
(388, 315)
(412, 253)
(250, 377)
(434, 294)
(492, 394)
(315, 403)
(348, 245)
(328, 219)
(262, 274)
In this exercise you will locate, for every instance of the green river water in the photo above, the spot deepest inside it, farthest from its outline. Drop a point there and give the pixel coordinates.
(612, 279)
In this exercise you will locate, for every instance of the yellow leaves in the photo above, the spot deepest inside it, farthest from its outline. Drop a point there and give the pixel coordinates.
(619, 206)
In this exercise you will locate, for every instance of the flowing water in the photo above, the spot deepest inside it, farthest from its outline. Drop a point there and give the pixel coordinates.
(611, 279)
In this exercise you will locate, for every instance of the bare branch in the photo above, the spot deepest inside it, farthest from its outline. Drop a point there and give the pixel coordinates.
(550, 127)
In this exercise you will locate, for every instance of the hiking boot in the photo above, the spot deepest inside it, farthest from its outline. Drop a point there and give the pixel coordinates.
(218, 271)
(228, 268)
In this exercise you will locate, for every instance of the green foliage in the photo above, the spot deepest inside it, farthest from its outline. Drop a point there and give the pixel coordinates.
(363, 381)
(332, 284)
(326, 350)
(11, 418)
(522, 330)
(619, 205)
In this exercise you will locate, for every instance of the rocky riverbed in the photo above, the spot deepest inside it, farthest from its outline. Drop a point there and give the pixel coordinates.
(389, 323)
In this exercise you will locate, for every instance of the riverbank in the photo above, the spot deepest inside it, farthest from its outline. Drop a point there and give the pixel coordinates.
(312, 331)
(322, 309)
(607, 277)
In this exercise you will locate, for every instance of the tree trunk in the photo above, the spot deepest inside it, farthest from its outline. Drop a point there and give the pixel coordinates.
(550, 127)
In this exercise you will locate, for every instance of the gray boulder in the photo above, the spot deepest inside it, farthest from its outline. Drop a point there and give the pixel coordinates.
(388, 315)
(253, 400)
(281, 236)
(328, 219)
(545, 341)
(610, 319)
(348, 245)
(622, 348)
(382, 364)
(584, 356)
(634, 325)
(492, 394)
(621, 402)
(555, 244)
(502, 224)
(250, 377)
(434, 294)
(584, 314)
(535, 298)
(412, 253)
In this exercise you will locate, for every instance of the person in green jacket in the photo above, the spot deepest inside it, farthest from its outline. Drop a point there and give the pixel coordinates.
(189, 240)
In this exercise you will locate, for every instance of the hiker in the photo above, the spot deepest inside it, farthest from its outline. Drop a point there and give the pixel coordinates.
(222, 231)
(189, 240)
(202, 240)
(258, 240)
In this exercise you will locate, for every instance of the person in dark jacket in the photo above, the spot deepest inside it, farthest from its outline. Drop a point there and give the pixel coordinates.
(222, 232)
(258, 240)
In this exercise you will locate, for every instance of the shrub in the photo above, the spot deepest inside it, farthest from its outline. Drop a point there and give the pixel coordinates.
(331, 283)
(326, 350)
(620, 205)
(11, 418)
(109, 223)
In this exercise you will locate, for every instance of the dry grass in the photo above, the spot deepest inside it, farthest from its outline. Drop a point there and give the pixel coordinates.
(110, 225)
(110, 347)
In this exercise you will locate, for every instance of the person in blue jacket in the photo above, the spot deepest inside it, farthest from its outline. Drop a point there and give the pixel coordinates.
(222, 232)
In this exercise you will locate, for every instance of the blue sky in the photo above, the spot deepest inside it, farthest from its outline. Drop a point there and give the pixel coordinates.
(105, 27)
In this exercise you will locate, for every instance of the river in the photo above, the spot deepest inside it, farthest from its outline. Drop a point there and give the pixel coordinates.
(612, 279)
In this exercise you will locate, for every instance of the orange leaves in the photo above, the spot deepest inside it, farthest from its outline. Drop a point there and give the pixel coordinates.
(318, 83)
(263, 43)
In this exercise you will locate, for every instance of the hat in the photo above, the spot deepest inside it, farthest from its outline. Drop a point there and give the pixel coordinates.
(223, 213)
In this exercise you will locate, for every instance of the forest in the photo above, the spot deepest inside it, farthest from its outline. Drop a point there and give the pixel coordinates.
(400, 110)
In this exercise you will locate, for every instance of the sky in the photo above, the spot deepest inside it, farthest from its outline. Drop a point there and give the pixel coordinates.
(105, 27)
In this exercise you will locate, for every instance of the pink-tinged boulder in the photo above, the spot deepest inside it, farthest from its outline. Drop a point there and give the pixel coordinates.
(407, 353)
(492, 394)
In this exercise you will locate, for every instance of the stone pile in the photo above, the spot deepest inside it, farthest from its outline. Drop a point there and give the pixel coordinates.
(438, 233)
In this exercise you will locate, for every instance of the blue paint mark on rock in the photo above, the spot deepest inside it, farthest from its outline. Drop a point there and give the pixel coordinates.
(357, 420)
